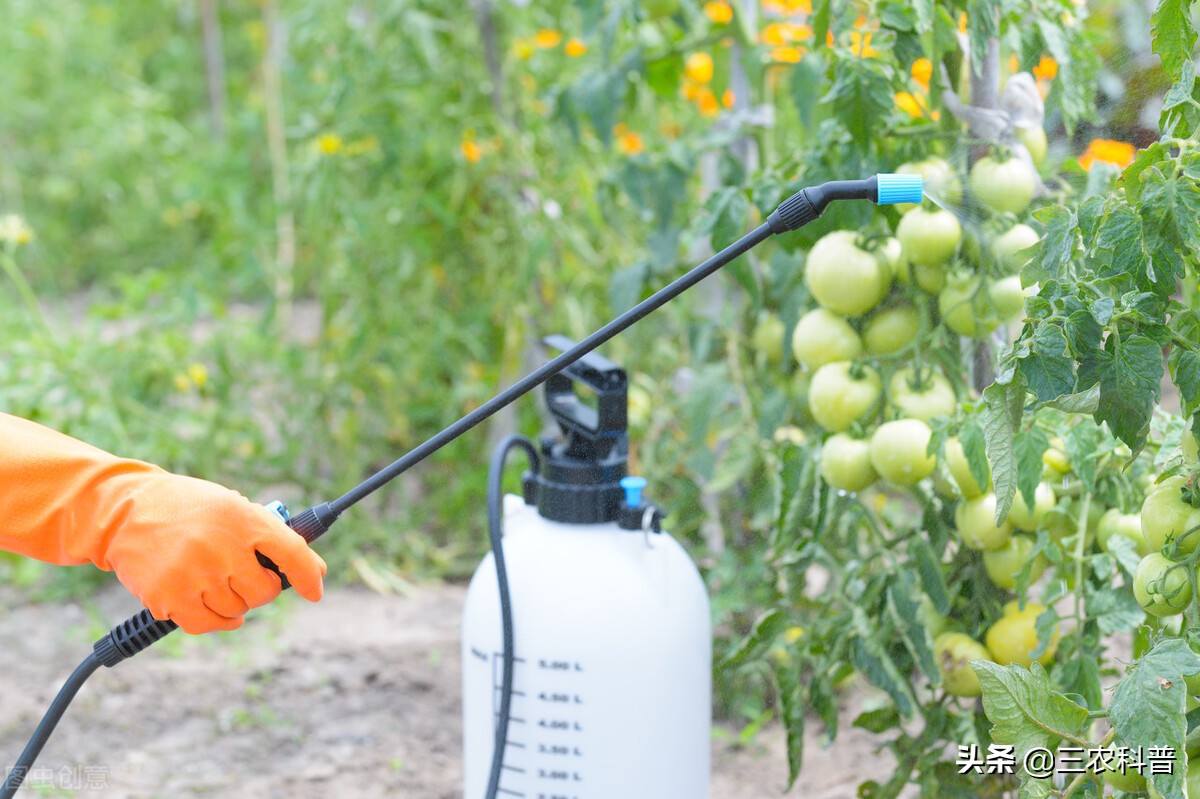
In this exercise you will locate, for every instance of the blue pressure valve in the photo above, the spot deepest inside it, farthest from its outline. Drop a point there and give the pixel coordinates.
(806, 205)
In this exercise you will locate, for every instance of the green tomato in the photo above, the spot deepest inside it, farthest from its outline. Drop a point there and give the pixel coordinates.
(928, 238)
(1008, 245)
(1035, 142)
(930, 278)
(960, 470)
(1055, 457)
(1002, 565)
(846, 463)
(954, 653)
(892, 329)
(823, 337)
(767, 337)
(1029, 519)
(976, 522)
(1013, 637)
(1159, 588)
(843, 278)
(898, 451)
(939, 180)
(966, 307)
(1008, 298)
(924, 398)
(1004, 187)
(1129, 781)
(838, 399)
(1122, 525)
(891, 254)
(1166, 517)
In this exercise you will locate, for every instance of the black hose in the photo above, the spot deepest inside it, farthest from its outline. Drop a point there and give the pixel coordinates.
(46, 726)
(495, 494)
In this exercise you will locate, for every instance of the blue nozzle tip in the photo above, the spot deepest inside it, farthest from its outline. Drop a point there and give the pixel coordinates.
(633, 490)
(896, 188)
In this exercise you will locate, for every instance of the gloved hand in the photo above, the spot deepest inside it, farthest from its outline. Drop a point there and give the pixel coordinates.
(184, 547)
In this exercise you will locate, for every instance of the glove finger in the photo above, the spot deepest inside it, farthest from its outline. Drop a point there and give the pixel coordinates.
(224, 602)
(198, 619)
(303, 567)
(256, 586)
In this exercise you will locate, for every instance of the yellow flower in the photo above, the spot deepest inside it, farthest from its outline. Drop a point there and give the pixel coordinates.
(788, 7)
(14, 230)
(547, 38)
(575, 48)
(793, 634)
(1046, 69)
(860, 45)
(329, 144)
(1014, 66)
(522, 49)
(718, 12)
(699, 67)
(706, 101)
(787, 55)
(630, 143)
(198, 374)
(779, 34)
(727, 98)
(362, 146)
(182, 384)
(922, 72)
(915, 104)
(1118, 153)
(470, 150)
(689, 89)
(962, 22)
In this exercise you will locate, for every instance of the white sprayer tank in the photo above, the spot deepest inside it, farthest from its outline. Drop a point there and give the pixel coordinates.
(612, 683)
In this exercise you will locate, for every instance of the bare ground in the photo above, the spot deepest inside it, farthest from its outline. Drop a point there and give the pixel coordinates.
(357, 696)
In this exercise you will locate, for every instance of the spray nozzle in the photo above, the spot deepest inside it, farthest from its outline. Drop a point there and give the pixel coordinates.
(807, 204)
(632, 486)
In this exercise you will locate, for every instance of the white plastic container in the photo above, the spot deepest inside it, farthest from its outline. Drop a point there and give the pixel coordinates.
(612, 684)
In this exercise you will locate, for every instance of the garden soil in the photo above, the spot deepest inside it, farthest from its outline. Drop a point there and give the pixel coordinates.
(357, 696)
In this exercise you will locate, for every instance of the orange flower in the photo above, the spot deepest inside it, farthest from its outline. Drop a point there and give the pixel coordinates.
(689, 89)
(575, 48)
(1014, 66)
(1046, 69)
(829, 38)
(718, 12)
(547, 38)
(699, 67)
(706, 101)
(727, 98)
(470, 150)
(787, 55)
(630, 143)
(962, 22)
(922, 71)
(1118, 153)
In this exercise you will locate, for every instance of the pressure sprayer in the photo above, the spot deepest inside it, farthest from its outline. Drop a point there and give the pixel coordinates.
(607, 673)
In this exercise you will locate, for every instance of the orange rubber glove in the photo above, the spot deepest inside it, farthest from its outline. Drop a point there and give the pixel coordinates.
(184, 547)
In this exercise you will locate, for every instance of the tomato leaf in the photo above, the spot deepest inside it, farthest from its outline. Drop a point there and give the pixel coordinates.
(974, 446)
(1129, 388)
(1185, 373)
(1025, 709)
(1002, 409)
(871, 658)
(1057, 246)
(1147, 708)
(1113, 610)
(1174, 35)
(930, 572)
(1048, 370)
(1029, 446)
(766, 629)
(906, 616)
(791, 710)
